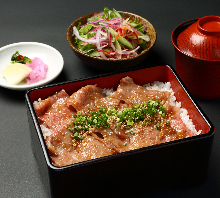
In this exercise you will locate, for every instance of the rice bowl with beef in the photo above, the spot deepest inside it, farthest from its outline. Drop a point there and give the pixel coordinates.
(179, 163)
(69, 142)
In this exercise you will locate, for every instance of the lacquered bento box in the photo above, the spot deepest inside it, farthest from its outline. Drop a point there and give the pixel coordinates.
(180, 163)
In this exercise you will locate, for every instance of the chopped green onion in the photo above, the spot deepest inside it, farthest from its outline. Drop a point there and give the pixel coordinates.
(125, 118)
(131, 132)
(77, 135)
(158, 126)
(168, 123)
(130, 123)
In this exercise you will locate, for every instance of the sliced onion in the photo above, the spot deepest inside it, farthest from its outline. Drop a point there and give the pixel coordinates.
(110, 41)
(90, 40)
(146, 38)
(98, 44)
(76, 33)
(127, 51)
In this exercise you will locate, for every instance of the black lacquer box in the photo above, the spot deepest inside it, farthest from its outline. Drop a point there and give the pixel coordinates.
(180, 163)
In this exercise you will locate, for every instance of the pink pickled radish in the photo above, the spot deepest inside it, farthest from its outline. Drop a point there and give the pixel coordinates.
(39, 69)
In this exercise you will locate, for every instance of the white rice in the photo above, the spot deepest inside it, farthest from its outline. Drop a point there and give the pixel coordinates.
(46, 132)
(188, 122)
(107, 92)
(160, 86)
(36, 102)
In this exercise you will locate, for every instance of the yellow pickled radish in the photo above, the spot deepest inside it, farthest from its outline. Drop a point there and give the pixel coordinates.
(15, 73)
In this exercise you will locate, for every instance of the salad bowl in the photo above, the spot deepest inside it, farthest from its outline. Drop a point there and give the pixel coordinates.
(111, 64)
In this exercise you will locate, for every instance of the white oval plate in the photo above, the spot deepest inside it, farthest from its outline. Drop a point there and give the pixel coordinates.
(49, 55)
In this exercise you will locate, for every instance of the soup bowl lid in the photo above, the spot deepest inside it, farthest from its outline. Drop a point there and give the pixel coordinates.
(201, 40)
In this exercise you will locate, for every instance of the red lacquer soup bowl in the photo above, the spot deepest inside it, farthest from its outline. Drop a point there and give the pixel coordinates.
(197, 55)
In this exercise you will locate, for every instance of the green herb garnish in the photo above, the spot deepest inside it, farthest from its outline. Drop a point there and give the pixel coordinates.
(18, 58)
(168, 123)
(158, 126)
(77, 136)
(131, 132)
(126, 118)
